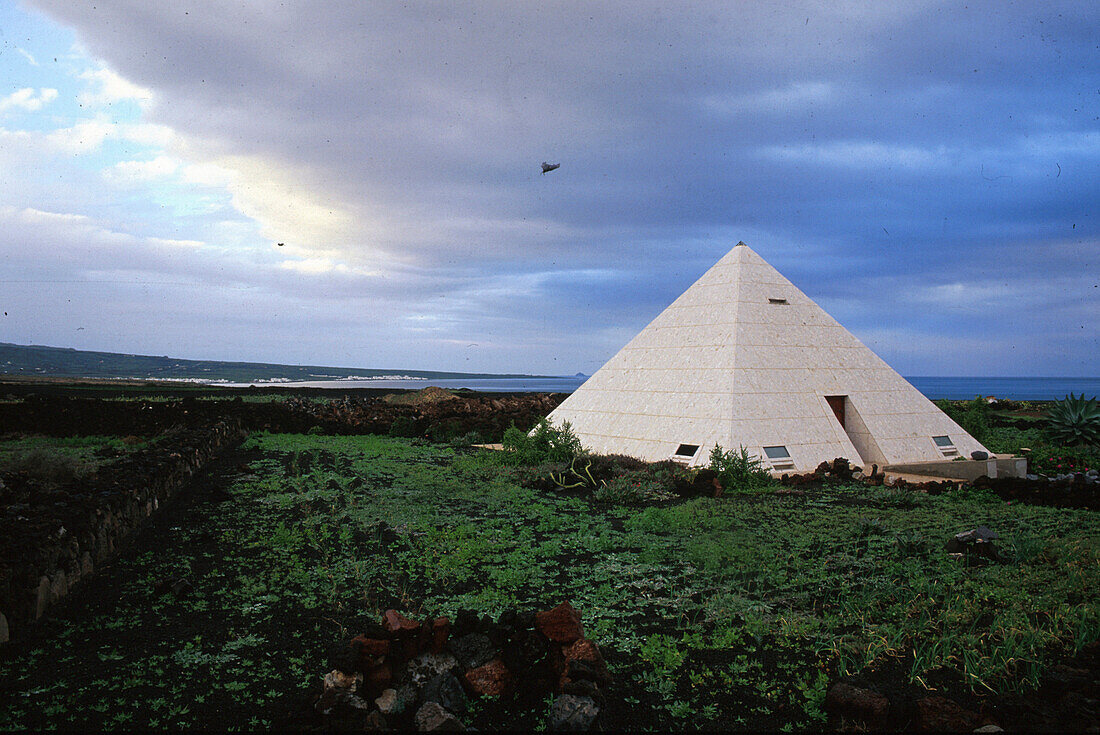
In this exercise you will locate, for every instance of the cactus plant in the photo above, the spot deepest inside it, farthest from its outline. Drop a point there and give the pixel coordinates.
(1074, 420)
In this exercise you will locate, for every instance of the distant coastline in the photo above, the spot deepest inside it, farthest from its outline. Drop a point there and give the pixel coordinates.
(59, 364)
(933, 387)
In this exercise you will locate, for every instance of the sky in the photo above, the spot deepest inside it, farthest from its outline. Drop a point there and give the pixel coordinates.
(927, 172)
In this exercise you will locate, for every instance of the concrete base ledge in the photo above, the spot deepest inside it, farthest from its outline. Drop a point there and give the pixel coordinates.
(1003, 465)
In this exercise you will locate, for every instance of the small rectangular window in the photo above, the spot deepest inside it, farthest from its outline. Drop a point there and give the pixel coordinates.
(777, 301)
(945, 445)
(687, 450)
(777, 453)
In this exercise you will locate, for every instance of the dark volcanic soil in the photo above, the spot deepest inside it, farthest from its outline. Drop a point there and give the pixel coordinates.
(157, 618)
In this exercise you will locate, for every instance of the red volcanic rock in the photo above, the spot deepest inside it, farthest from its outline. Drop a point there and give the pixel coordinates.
(854, 703)
(582, 649)
(490, 680)
(370, 646)
(582, 660)
(441, 628)
(939, 714)
(397, 624)
(377, 680)
(562, 624)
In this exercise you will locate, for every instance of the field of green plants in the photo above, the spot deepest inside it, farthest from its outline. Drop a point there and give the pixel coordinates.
(58, 460)
(728, 612)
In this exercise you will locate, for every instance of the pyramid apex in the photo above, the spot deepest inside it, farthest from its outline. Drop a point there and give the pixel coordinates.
(740, 244)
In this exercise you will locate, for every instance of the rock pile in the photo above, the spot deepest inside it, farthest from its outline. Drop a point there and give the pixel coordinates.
(405, 674)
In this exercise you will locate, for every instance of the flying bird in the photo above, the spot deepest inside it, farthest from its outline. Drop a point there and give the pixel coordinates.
(549, 166)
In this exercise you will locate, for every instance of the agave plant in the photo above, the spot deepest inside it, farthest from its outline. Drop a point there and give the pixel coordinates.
(1075, 420)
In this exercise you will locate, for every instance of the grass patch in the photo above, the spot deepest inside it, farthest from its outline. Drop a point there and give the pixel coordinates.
(712, 612)
(59, 460)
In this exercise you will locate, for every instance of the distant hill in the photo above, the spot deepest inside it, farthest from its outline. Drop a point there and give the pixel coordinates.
(70, 363)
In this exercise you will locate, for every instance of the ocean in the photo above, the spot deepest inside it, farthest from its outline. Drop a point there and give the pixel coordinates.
(1018, 389)
(934, 387)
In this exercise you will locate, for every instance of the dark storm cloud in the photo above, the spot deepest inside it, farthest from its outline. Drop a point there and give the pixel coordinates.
(873, 153)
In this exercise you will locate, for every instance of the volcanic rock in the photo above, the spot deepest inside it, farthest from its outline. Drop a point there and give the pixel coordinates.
(584, 655)
(386, 701)
(398, 625)
(427, 666)
(939, 714)
(440, 629)
(977, 542)
(491, 679)
(431, 717)
(377, 679)
(572, 713)
(337, 679)
(369, 651)
(447, 691)
(853, 703)
(472, 650)
(561, 624)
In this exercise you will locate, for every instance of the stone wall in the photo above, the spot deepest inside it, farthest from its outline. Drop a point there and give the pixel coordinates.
(52, 538)
(486, 414)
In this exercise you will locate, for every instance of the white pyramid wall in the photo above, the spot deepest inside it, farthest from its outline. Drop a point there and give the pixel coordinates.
(722, 364)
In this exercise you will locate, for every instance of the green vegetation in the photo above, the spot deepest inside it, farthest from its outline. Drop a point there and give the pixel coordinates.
(56, 461)
(1033, 430)
(973, 416)
(731, 612)
(739, 471)
(1074, 420)
(544, 443)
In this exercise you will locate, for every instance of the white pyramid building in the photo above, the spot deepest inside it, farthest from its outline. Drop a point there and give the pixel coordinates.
(743, 358)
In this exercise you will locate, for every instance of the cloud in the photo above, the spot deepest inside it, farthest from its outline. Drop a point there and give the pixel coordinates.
(861, 154)
(105, 87)
(778, 100)
(25, 99)
(137, 172)
(87, 136)
(394, 149)
(27, 55)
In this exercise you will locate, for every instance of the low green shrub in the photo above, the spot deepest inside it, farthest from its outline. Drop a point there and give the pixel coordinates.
(973, 416)
(49, 466)
(1048, 460)
(638, 487)
(470, 437)
(738, 471)
(403, 426)
(545, 443)
(1010, 440)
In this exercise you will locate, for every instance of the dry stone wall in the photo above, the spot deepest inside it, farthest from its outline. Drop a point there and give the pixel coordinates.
(50, 539)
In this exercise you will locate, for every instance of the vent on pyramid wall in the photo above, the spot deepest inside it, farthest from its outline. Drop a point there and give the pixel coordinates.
(776, 300)
(945, 445)
(685, 452)
(779, 457)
